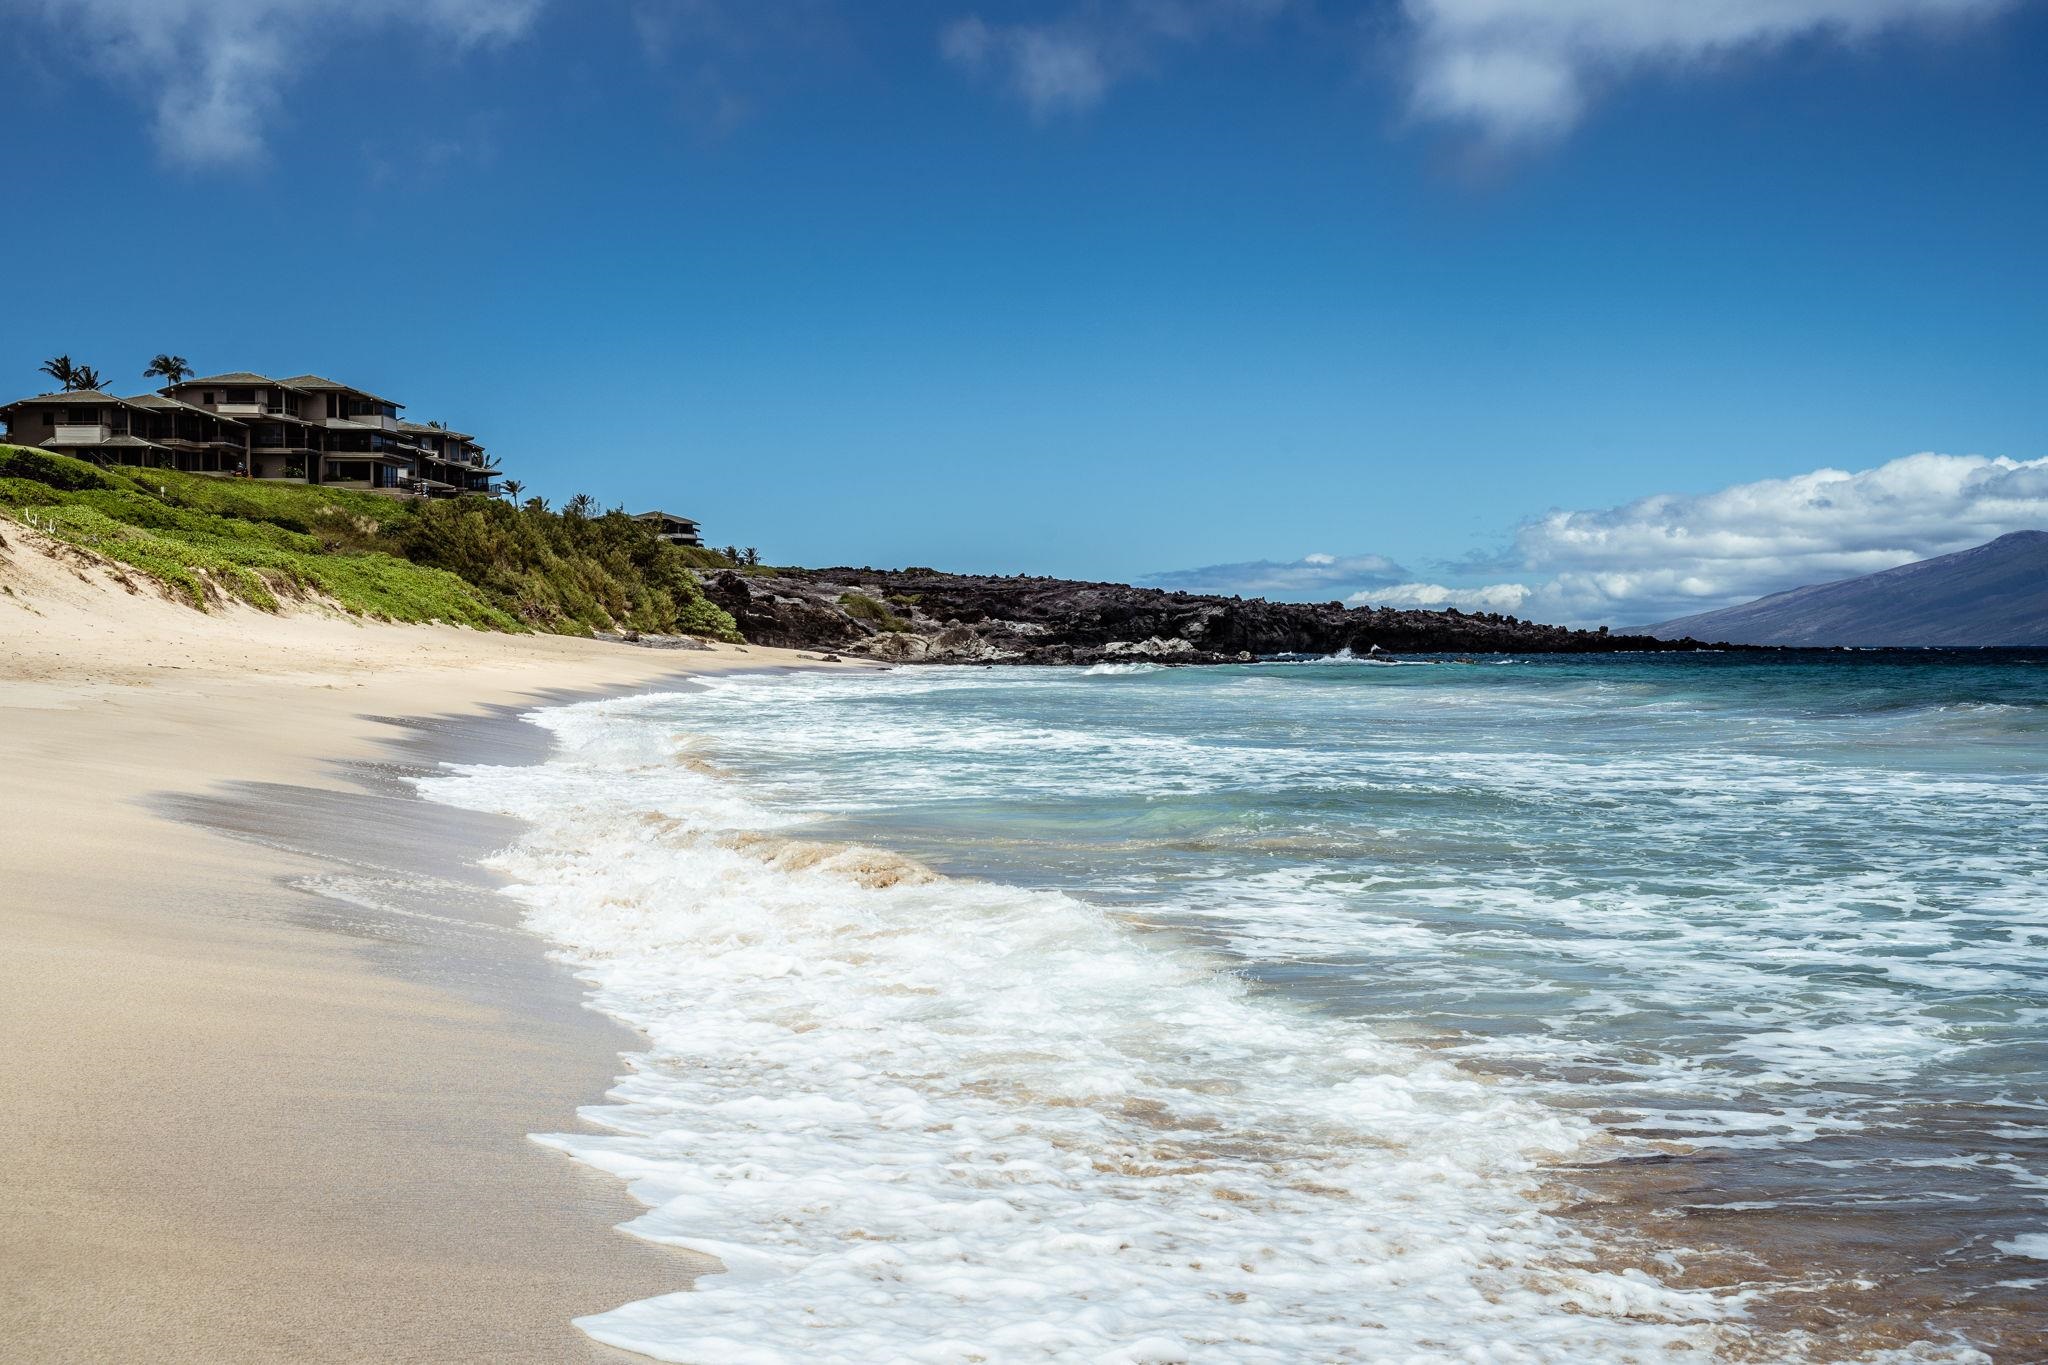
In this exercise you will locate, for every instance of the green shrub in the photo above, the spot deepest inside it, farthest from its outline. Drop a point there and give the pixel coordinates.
(27, 493)
(569, 573)
(58, 471)
(698, 557)
(861, 607)
(471, 560)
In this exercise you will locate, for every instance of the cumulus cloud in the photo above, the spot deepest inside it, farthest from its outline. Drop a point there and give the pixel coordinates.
(1068, 64)
(1501, 597)
(1670, 555)
(1520, 70)
(216, 69)
(1322, 577)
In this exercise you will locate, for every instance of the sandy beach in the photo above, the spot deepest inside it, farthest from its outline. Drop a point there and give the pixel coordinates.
(243, 1128)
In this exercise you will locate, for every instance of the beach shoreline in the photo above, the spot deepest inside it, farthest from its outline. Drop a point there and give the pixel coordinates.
(251, 1123)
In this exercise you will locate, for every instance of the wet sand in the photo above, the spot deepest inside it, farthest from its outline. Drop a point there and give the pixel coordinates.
(252, 1123)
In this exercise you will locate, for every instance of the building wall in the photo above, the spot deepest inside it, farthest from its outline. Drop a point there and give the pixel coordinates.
(28, 428)
(315, 406)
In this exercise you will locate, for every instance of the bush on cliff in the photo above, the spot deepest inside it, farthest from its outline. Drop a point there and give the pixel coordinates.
(470, 561)
(565, 571)
(861, 607)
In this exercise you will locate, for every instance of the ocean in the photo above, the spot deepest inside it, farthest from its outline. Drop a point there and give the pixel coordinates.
(1561, 1008)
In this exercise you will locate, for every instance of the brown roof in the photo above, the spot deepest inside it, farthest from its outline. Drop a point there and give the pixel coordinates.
(314, 381)
(81, 397)
(233, 377)
(124, 442)
(158, 402)
(423, 429)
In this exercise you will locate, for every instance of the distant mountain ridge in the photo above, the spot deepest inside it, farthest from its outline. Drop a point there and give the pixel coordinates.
(1995, 594)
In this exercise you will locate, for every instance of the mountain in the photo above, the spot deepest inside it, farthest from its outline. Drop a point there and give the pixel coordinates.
(1996, 594)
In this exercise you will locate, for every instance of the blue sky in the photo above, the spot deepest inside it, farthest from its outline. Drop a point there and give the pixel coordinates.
(1559, 306)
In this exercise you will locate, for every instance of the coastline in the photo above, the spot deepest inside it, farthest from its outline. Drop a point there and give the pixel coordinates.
(253, 1124)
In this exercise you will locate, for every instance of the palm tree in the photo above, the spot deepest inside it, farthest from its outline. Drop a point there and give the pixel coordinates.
(536, 504)
(172, 367)
(512, 488)
(60, 368)
(753, 556)
(85, 377)
(582, 505)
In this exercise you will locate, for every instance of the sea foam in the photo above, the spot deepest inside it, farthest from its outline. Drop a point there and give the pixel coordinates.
(930, 1119)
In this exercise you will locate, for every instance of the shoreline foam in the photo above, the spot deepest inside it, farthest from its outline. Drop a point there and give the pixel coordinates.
(923, 1118)
(250, 1125)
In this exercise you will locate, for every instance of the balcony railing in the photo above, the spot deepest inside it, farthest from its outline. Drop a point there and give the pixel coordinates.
(75, 434)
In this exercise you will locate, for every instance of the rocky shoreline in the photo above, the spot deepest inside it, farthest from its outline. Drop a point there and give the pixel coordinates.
(923, 616)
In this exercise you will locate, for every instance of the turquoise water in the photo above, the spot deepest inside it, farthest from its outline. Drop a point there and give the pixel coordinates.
(1783, 920)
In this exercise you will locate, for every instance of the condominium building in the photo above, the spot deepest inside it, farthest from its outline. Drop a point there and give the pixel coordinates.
(306, 429)
(672, 529)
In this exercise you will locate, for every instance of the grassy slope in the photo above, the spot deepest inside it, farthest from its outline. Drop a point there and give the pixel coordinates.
(469, 561)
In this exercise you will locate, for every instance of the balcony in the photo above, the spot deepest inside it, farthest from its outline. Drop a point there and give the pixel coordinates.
(72, 434)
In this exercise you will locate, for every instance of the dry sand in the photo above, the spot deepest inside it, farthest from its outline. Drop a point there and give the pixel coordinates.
(237, 1131)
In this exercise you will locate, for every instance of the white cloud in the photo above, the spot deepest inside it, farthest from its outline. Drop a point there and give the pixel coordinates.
(1513, 70)
(1324, 577)
(1671, 555)
(1067, 65)
(216, 69)
(1501, 597)
(1518, 70)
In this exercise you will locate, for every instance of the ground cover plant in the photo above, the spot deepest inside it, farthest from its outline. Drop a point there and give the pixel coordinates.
(474, 560)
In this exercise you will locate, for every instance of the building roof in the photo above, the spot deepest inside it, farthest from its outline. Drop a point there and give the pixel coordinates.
(123, 442)
(663, 516)
(80, 396)
(427, 429)
(233, 377)
(159, 403)
(314, 381)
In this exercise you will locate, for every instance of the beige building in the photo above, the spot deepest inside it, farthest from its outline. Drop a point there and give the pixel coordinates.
(306, 429)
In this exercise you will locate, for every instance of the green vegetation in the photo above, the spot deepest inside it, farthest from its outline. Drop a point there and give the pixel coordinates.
(472, 561)
(172, 369)
(861, 607)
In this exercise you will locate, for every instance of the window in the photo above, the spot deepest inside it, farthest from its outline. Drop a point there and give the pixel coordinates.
(207, 398)
(241, 395)
(49, 417)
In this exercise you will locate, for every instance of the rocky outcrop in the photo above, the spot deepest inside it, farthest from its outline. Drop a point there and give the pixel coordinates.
(922, 616)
